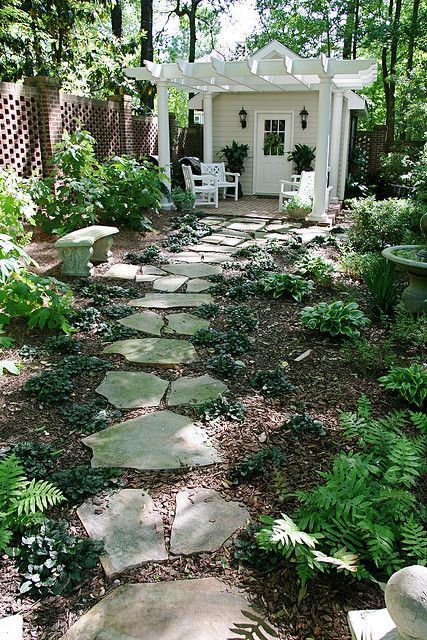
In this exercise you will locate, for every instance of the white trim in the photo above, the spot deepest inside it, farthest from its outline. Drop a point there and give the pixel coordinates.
(255, 156)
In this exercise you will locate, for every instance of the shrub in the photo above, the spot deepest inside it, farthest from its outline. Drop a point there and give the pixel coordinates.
(304, 424)
(17, 208)
(287, 284)
(272, 383)
(408, 329)
(21, 500)
(241, 318)
(335, 318)
(62, 344)
(89, 417)
(80, 482)
(222, 408)
(378, 224)
(150, 254)
(409, 382)
(87, 319)
(317, 267)
(83, 366)
(379, 276)
(396, 168)
(225, 366)
(12, 257)
(112, 331)
(420, 177)
(208, 311)
(183, 200)
(255, 464)
(102, 293)
(36, 458)
(117, 311)
(53, 562)
(52, 387)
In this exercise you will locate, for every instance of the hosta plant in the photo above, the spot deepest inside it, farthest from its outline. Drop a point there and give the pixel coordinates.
(287, 284)
(317, 267)
(409, 382)
(335, 318)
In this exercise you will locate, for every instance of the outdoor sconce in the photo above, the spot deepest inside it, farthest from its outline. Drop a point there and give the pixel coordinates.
(243, 117)
(304, 116)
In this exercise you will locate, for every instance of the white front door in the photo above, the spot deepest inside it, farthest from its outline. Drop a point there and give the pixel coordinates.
(272, 146)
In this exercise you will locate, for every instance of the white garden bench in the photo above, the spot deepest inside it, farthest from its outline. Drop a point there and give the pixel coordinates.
(78, 248)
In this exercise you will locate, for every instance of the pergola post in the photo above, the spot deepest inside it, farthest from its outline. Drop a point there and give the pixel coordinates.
(322, 150)
(207, 128)
(163, 137)
(334, 154)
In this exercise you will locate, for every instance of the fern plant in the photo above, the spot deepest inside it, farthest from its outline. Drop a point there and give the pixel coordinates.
(22, 501)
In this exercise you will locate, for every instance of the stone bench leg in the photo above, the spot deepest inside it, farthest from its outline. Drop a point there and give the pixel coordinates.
(101, 249)
(76, 261)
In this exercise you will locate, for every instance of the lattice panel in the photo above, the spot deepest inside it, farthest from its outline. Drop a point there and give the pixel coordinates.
(101, 120)
(20, 140)
(144, 137)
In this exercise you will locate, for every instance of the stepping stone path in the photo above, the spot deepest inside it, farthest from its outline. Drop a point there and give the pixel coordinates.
(185, 324)
(193, 270)
(146, 321)
(195, 390)
(171, 300)
(130, 527)
(169, 283)
(197, 285)
(204, 521)
(155, 441)
(122, 271)
(200, 609)
(155, 351)
(132, 389)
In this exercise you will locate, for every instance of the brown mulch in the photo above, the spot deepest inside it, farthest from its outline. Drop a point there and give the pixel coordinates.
(325, 384)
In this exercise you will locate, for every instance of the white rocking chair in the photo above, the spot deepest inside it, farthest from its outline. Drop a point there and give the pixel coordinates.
(205, 193)
(304, 188)
(218, 169)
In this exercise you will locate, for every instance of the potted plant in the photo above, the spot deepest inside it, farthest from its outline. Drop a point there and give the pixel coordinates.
(235, 156)
(183, 200)
(302, 156)
(297, 208)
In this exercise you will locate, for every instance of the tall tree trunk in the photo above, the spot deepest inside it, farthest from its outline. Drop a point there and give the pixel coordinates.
(348, 30)
(192, 48)
(356, 28)
(412, 36)
(117, 19)
(389, 75)
(147, 90)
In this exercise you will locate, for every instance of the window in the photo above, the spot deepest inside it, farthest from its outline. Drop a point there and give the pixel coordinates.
(274, 137)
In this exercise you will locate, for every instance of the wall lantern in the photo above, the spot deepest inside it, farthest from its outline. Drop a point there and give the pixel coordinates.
(243, 117)
(304, 116)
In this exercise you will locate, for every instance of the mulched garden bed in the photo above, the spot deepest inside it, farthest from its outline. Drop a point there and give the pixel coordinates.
(325, 384)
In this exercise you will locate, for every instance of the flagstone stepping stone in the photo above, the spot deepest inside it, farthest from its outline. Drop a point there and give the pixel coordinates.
(222, 240)
(230, 233)
(185, 324)
(187, 256)
(279, 226)
(200, 609)
(311, 232)
(122, 271)
(193, 270)
(130, 527)
(132, 389)
(155, 441)
(11, 628)
(204, 521)
(171, 300)
(149, 273)
(155, 351)
(169, 283)
(253, 225)
(195, 390)
(197, 285)
(214, 248)
(146, 321)
(215, 258)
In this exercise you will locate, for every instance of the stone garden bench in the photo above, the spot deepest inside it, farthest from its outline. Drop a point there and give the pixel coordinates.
(78, 248)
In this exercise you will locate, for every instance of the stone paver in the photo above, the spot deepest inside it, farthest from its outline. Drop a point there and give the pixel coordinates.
(122, 271)
(200, 609)
(185, 324)
(204, 521)
(193, 270)
(222, 240)
(246, 226)
(155, 441)
(195, 390)
(197, 285)
(171, 300)
(149, 273)
(214, 248)
(216, 258)
(155, 351)
(130, 527)
(132, 389)
(146, 321)
(169, 284)
(11, 628)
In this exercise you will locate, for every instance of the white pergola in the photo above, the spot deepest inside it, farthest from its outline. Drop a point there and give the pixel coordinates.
(329, 76)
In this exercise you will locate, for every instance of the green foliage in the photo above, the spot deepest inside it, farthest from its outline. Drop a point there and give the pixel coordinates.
(44, 302)
(335, 318)
(379, 276)
(420, 177)
(113, 331)
(90, 417)
(17, 209)
(248, 552)
(52, 562)
(12, 257)
(150, 254)
(81, 482)
(83, 366)
(36, 458)
(62, 344)
(222, 408)
(379, 223)
(208, 337)
(235, 156)
(287, 284)
(190, 230)
(101, 293)
(272, 383)
(52, 387)
(304, 424)
(183, 200)
(409, 382)
(241, 318)
(317, 267)
(208, 311)
(87, 319)
(256, 464)
(407, 329)
(117, 311)
(21, 500)
(229, 342)
(369, 358)
(396, 168)
(303, 157)
(297, 207)
(225, 366)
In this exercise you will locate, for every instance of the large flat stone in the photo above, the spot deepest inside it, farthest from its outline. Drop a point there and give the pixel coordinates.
(149, 273)
(215, 258)
(201, 609)
(247, 226)
(130, 527)
(122, 271)
(197, 285)
(185, 324)
(11, 628)
(155, 441)
(199, 270)
(195, 390)
(155, 351)
(146, 321)
(222, 240)
(169, 284)
(171, 300)
(204, 247)
(132, 389)
(204, 521)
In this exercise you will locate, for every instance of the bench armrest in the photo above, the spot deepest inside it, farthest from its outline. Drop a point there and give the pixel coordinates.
(294, 185)
(230, 173)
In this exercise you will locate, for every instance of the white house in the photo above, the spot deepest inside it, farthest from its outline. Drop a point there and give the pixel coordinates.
(273, 86)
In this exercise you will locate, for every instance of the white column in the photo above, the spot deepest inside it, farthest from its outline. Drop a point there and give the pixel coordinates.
(322, 150)
(207, 128)
(335, 144)
(163, 136)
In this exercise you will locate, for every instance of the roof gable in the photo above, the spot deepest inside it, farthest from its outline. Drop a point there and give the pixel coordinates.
(274, 50)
